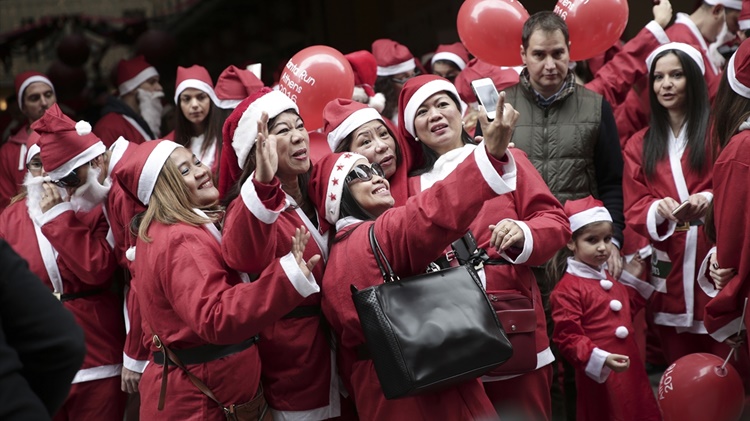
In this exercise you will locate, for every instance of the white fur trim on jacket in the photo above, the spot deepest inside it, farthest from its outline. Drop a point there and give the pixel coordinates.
(305, 285)
(595, 368)
(528, 244)
(499, 184)
(255, 205)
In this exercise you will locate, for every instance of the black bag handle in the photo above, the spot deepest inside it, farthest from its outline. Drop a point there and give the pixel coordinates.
(389, 276)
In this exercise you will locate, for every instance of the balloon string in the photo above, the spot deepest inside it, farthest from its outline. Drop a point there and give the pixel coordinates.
(731, 351)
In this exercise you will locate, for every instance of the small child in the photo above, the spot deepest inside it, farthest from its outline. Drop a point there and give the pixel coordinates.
(593, 316)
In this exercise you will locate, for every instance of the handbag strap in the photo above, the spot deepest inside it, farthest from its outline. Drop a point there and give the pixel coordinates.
(388, 276)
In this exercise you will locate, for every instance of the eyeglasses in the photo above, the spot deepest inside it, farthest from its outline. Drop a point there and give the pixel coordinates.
(403, 80)
(70, 180)
(364, 172)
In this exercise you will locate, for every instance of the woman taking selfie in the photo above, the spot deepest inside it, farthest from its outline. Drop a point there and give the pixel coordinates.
(354, 195)
(526, 228)
(207, 314)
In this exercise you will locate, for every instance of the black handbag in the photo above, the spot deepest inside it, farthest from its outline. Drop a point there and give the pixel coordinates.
(429, 331)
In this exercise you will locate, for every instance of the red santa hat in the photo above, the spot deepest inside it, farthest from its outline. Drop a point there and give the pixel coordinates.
(455, 53)
(730, 4)
(365, 73)
(738, 70)
(65, 145)
(327, 183)
(392, 58)
(32, 145)
(685, 48)
(195, 77)
(744, 19)
(416, 90)
(131, 73)
(234, 85)
(343, 116)
(25, 79)
(502, 77)
(137, 174)
(241, 127)
(585, 211)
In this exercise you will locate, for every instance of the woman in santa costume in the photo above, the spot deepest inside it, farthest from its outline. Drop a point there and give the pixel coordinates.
(198, 121)
(395, 65)
(354, 195)
(299, 370)
(190, 301)
(62, 232)
(526, 228)
(449, 60)
(593, 316)
(666, 165)
(731, 133)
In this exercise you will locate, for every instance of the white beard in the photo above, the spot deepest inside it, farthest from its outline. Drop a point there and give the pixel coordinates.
(151, 108)
(713, 50)
(34, 192)
(90, 194)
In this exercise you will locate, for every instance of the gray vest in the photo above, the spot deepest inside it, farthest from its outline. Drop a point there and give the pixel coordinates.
(560, 140)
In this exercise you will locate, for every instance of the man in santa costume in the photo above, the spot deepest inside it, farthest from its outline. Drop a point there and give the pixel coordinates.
(35, 95)
(136, 113)
(60, 229)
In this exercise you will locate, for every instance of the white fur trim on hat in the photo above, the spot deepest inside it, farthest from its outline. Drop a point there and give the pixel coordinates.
(397, 68)
(33, 150)
(152, 168)
(735, 84)
(589, 216)
(454, 58)
(621, 332)
(273, 103)
(196, 84)
(131, 84)
(29, 81)
(744, 24)
(732, 4)
(352, 123)
(92, 152)
(83, 128)
(341, 169)
(685, 48)
(425, 91)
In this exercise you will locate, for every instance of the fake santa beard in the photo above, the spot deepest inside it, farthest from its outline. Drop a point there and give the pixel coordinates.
(34, 192)
(151, 108)
(91, 193)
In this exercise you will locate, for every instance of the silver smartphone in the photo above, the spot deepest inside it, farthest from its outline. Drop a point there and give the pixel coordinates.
(487, 95)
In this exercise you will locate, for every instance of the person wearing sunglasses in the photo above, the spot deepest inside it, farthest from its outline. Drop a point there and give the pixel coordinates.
(67, 248)
(396, 65)
(353, 194)
(526, 227)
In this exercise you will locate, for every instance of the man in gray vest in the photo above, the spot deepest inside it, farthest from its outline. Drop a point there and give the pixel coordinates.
(568, 131)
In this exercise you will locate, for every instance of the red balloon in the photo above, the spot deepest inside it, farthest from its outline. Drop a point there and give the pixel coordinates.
(73, 50)
(695, 388)
(69, 81)
(491, 30)
(594, 25)
(312, 78)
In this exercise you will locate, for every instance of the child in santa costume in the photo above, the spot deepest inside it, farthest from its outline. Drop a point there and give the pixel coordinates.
(61, 230)
(593, 321)
(191, 302)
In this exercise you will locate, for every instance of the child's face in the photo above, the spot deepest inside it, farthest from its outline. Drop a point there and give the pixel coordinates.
(591, 245)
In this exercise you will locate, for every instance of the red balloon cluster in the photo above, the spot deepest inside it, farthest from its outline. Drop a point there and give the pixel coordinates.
(491, 30)
(312, 78)
(594, 25)
(696, 388)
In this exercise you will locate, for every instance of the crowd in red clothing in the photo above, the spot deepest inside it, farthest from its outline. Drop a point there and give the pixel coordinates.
(225, 245)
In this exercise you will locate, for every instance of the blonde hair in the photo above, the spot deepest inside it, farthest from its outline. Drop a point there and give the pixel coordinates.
(170, 202)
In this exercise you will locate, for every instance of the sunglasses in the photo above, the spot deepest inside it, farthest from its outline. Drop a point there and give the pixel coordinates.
(70, 180)
(365, 172)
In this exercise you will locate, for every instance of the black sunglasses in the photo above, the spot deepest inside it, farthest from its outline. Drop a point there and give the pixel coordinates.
(364, 172)
(70, 180)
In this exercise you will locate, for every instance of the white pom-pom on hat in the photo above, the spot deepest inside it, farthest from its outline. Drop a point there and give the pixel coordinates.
(615, 305)
(621, 332)
(83, 128)
(606, 284)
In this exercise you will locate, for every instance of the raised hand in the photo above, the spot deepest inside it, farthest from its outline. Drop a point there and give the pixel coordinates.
(662, 11)
(498, 132)
(299, 242)
(50, 197)
(266, 158)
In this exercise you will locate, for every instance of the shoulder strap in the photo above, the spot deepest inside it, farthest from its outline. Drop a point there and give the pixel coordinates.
(388, 276)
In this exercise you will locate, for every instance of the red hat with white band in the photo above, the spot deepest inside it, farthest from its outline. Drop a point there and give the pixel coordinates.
(392, 58)
(738, 70)
(744, 19)
(327, 183)
(138, 174)
(730, 4)
(131, 73)
(195, 77)
(455, 53)
(234, 85)
(25, 79)
(342, 116)
(416, 91)
(685, 48)
(585, 211)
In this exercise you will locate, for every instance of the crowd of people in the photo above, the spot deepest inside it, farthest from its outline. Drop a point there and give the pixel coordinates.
(211, 268)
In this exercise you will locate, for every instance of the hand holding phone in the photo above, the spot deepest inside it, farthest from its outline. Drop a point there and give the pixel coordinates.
(680, 211)
(487, 95)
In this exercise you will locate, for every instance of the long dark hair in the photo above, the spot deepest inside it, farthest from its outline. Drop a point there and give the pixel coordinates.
(655, 142)
(429, 157)
(349, 207)
(184, 130)
(386, 86)
(251, 164)
(730, 110)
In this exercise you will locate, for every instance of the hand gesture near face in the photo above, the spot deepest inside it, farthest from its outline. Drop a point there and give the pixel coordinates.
(50, 197)
(498, 132)
(266, 158)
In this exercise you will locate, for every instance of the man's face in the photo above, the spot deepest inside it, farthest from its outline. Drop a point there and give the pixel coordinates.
(151, 85)
(546, 58)
(37, 98)
(732, 17)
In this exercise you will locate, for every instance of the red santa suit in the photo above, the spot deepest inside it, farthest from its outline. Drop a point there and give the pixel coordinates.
(12, 166)
(113, 125)
(593, 317)
(677, 302)
(544, 224)
(685, 30)
(411, 237)
(191, 298)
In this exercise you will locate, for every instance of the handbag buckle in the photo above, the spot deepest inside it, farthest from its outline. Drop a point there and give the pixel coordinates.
(450, 255)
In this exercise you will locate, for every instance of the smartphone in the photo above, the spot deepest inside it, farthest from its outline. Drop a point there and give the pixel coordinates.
(679, 209)
(486, 94)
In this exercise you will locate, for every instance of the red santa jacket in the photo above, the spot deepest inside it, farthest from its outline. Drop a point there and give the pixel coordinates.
(12, 166)
(113, 125)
